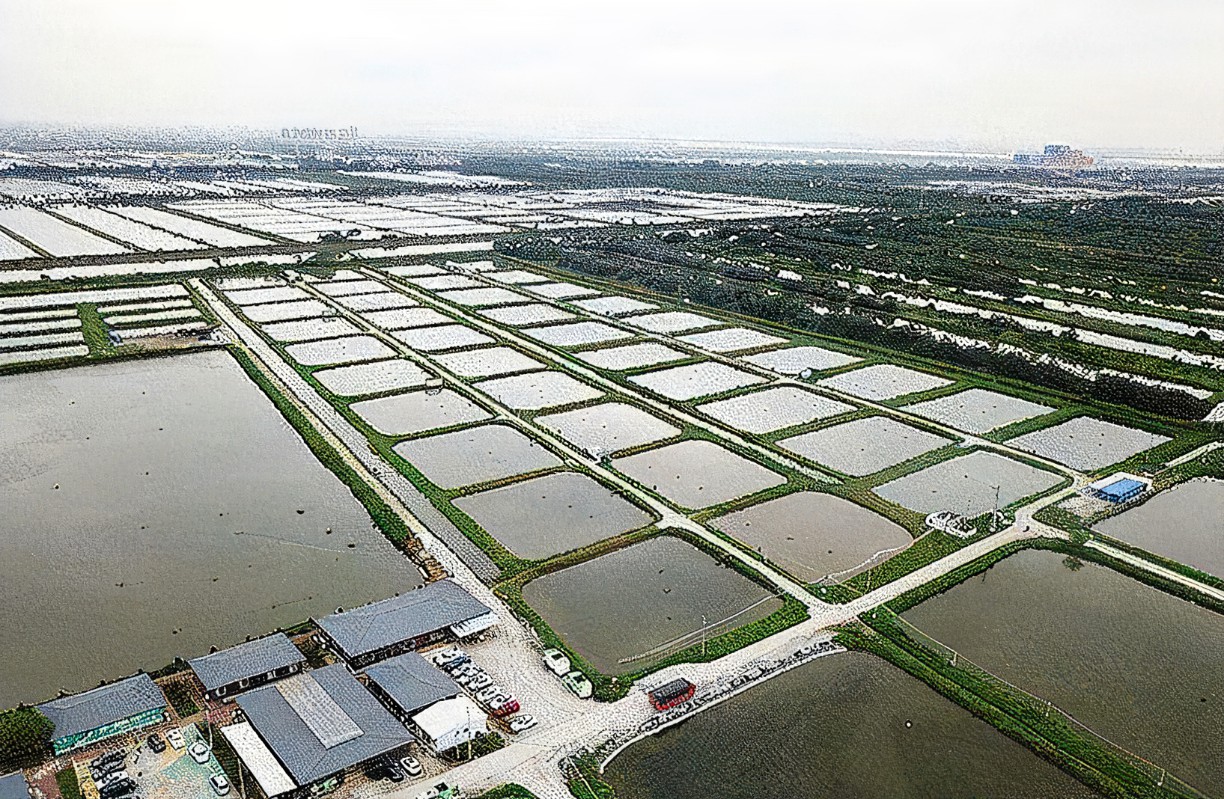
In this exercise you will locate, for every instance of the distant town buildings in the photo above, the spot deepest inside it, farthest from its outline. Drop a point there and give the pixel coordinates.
(1056, 156)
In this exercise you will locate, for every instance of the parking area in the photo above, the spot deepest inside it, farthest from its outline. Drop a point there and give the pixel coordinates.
(184, 768)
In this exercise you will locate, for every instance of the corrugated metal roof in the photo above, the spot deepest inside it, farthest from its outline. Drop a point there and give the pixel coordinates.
(245, 661)
(108, 704)
(321, 714)
(258, 759)
(433, 607)
(305, 755)
(1122, 487)
(411, 682)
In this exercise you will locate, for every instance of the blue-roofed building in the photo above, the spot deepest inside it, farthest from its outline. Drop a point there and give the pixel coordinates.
(1118, 488)
(248, 665)
(110, 710)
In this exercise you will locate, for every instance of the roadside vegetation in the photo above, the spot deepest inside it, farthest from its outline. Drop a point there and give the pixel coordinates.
(68, 784)
(25, 738)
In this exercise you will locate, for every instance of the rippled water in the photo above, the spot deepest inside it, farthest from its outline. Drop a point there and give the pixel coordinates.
(846, 726)
(1185, 523)
(157, 508)
(1138, 666)
(627, 603)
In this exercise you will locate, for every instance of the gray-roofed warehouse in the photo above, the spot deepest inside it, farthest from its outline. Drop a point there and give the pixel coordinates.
(322, 722)
(109, 710)
(247, 665)
(379, 630)
(408, 683)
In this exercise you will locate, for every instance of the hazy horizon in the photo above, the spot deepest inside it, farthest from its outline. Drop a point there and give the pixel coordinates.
(949, 75)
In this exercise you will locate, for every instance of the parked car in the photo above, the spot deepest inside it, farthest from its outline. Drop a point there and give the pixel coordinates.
(522, 723)
(108, 762)
(487, 693)
(491, 696)
(412, 767)
(557, 662)
(126, 791)
(156, 743)
(457, 662)
(102, 773)
(449, 655)
(110, 778)
(480, 682)
(176, 740)
(507, 708)
(199, 752)
(384, 769)
(117, 788)
(578, 683)
(220, 784)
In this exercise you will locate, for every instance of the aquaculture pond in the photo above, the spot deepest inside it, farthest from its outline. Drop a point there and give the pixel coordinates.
(158, 508)
(624, 610)
(848, 726)
(1139, 666)
(1184, 524)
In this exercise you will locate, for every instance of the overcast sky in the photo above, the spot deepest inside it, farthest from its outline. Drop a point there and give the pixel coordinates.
(993, 75)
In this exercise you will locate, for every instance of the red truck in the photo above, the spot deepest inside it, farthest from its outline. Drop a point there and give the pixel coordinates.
(676, 692)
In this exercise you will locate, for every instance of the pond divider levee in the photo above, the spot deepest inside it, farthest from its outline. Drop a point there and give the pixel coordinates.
(417, 503)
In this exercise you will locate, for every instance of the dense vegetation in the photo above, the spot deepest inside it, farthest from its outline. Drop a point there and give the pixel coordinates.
(25, 738)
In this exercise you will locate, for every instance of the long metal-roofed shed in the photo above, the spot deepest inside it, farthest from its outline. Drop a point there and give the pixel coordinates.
(14, 786)
(1118, 488)
(319, 724)
(408, 684)
(106, 711)
(247, 665)
(404, 623)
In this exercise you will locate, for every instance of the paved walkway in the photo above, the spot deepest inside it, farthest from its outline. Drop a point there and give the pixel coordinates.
(425, 521)
(1157, 569)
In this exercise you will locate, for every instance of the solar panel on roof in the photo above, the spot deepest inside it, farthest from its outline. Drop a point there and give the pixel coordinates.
(326, 719)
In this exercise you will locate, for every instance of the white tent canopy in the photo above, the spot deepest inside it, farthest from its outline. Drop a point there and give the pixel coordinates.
(451, 722)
